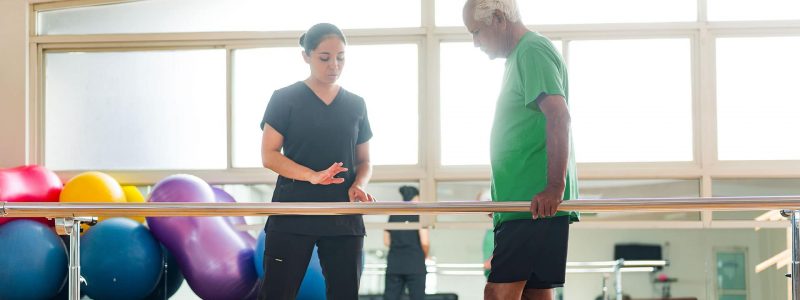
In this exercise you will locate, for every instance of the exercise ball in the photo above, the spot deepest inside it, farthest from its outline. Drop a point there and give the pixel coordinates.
(214, 257)
(120, 259)
(33, 264)
(92, 187)
(132, 195)
(29, 184)
(171, 278)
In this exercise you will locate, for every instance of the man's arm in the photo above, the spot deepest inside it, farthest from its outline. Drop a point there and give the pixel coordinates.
(387, 239)
(556, 112)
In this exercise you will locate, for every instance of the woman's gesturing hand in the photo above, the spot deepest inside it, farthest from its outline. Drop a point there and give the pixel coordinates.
(328, 176)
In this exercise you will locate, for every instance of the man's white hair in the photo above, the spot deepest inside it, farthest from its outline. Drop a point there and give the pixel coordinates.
(483, 10)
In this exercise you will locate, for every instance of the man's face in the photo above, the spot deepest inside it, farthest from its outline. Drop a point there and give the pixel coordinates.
(484, 36)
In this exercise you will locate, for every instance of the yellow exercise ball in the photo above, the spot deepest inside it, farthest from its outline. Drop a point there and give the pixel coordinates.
(92, 187)
(132, 195)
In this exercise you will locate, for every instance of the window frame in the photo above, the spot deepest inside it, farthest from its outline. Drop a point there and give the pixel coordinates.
(428, 171)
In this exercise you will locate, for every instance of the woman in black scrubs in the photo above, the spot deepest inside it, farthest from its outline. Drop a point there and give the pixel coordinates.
(323, 131)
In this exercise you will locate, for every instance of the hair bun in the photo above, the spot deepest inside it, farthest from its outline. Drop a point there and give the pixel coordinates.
(302, 40)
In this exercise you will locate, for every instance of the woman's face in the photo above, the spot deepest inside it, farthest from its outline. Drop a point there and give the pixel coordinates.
(327, 61)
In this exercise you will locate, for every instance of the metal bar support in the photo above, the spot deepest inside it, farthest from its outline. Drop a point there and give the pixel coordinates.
(618, 278)
(72, 228)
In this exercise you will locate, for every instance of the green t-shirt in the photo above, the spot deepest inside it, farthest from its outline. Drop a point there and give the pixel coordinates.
(518, 138)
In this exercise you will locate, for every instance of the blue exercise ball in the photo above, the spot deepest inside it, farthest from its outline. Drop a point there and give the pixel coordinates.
(33, 264)
(171, 278)
(258, 260)
(313, 286)
(64, 293)
(120, 259)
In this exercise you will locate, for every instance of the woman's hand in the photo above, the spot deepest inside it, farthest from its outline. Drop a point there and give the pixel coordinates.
(357, 194)
(328, 176)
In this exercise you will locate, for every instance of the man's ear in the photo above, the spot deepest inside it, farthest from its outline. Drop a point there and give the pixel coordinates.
(499, 16)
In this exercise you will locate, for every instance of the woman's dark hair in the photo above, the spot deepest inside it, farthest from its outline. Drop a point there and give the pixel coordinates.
(408, 192)
(311, 39)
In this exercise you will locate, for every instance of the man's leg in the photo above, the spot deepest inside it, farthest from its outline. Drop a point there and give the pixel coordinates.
(529, 259)
(537, 294)
(503, 291)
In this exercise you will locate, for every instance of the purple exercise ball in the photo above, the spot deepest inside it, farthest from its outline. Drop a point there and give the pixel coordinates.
(215, 258)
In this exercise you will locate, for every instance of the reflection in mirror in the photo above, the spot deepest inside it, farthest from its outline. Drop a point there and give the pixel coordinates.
(695, 258)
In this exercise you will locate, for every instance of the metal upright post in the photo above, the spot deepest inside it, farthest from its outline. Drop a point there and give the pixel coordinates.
(795, 255)
(618, 279)
(794, 276)
(72, 228)
(75, 261)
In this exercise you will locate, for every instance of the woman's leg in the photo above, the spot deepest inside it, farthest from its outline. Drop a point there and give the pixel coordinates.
(286, 259)
(341, 261)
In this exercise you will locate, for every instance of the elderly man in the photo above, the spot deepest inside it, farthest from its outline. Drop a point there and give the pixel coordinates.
(531, 155)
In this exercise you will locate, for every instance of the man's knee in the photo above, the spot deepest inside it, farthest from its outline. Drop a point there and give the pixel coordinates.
(511, 290)
(537, 294)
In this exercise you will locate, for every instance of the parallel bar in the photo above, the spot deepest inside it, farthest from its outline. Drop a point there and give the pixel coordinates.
(44, 209)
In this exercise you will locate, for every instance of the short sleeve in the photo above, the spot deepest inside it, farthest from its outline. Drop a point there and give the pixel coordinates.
(540, 74)
(364, 129)
(277, 113)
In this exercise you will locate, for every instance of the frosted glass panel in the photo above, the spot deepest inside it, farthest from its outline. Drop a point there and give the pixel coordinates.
(448, 12)
(631, 100)
(642, 188)
(135, 110)
(754, 188)
(470, 84)
(229, 15)
(733, 10)
(757, 98)
(391, 104)
(387, 76)
(256, 74)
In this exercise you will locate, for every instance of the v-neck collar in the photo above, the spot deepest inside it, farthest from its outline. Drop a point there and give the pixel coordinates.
(310, 90)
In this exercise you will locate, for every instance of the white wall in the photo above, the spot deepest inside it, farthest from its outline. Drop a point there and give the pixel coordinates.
(13, 76)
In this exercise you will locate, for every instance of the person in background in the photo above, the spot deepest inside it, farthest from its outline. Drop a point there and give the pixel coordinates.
(316, 137)
(408, 249)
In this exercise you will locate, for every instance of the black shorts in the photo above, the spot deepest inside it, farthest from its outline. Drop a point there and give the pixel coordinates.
(531, 250)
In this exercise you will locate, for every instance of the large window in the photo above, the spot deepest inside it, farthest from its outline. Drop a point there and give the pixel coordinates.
(470, 83)
(631, 100)
(135, 110)
(256, 74)
(757, 98)
(737, 10)
(448, 12)
(157, 16)
(669, 98)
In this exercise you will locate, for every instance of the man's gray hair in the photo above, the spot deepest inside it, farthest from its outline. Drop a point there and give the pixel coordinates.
(483, 10)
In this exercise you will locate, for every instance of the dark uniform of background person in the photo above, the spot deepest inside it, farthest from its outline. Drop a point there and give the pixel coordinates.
(408, 249)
